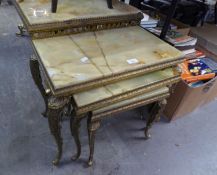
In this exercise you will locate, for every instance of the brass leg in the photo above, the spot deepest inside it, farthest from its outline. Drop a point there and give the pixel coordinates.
(34, 68)
(92, 127)
(22, 30)
(75, 126)
(55, 128)
(156, 112)
(54, 108)
(54, 114)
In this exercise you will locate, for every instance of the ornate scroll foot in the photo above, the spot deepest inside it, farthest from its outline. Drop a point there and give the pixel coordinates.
(75, 126)
(54, 114)
(22, 30)
(92, 127)
(156, 112)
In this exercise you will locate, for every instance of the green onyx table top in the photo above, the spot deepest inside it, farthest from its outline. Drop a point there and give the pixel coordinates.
(146, 96)
(126, 89)
(99, 94)
(90, 59)
(38, 12)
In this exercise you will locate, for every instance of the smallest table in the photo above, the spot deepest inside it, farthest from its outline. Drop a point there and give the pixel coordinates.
(95, 116)
(99, 103)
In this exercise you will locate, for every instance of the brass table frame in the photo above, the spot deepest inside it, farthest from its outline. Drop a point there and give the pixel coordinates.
(61, 104)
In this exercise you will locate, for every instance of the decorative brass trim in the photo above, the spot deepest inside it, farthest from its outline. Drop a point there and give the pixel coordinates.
(130, 106)
(56, 103)
(113, 78)
(124, 96)
(80, 29)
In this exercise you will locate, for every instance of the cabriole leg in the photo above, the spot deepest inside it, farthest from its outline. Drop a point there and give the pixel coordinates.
(54, 114)
(54, 107)
(75, 124)
(92, 127)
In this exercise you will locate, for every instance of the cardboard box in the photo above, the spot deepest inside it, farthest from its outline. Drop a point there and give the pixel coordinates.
(186, 99)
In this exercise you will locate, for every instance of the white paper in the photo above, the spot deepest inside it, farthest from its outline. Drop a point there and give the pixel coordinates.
(85, 60)
(145, 17)
(132, 61)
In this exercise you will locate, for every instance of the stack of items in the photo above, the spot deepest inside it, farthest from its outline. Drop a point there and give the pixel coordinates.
(100, 65)
(148, 22)
(151, 23)
(184, 43)
(196, 72)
